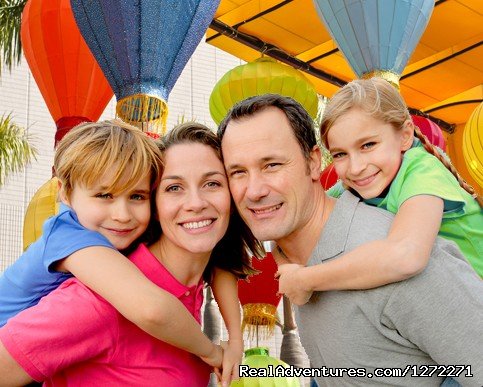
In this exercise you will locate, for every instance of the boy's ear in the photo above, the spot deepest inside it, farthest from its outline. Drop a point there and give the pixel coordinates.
(407, 135)
(62, 194)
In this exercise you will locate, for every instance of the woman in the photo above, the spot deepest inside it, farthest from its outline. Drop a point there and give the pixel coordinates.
(74, 336)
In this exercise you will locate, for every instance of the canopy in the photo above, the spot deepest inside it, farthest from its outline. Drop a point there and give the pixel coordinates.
(444, 76)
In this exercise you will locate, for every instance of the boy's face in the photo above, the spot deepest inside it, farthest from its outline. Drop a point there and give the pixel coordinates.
(121, 217)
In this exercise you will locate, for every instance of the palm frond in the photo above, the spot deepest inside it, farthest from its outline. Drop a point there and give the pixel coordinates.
(10, 21)
(15, 149)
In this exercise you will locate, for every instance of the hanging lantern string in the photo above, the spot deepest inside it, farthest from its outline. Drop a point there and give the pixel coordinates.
(144, 109)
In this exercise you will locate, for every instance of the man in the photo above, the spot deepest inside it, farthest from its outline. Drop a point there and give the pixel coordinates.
(434, 318)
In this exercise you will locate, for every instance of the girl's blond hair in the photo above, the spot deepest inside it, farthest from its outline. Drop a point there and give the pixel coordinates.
(91, 149)
(382, 101)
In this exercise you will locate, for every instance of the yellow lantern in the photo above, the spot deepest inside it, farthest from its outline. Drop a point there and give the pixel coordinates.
(43, 205)
(262, 76)
(473, 145)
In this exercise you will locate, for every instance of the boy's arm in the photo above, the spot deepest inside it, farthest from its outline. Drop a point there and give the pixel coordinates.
(404, 253)
(12, 373)
(154, 310)
(225, 291)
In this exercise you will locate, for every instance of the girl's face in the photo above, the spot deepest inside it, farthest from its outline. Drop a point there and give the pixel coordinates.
(193, 200)
(367, 152)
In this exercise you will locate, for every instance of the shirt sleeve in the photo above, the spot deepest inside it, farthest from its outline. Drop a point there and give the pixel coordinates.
(69, 326)
(65, 235)
(423, 174)
(441, 312)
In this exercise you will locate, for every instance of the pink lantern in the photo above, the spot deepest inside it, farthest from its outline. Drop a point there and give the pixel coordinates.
(430, 130)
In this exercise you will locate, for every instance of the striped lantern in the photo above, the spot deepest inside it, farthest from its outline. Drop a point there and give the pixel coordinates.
(473, 144)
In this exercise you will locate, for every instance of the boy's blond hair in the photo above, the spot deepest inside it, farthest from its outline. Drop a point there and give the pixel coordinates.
(91, 149)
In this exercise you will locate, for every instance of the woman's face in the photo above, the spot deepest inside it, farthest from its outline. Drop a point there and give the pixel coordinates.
(193, 200)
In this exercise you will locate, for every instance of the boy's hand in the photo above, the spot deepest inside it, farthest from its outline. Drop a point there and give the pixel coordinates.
(215, 357)
(291, 283)
(232, 357)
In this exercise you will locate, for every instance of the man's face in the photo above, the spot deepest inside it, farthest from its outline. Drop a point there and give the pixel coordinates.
(270, 180)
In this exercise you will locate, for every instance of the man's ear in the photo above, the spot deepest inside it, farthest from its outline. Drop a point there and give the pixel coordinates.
(407, 135)
(62, 194)
(315, 163)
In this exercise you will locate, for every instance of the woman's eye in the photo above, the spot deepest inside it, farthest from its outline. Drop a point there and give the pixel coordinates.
(213, 184)
(173, 188)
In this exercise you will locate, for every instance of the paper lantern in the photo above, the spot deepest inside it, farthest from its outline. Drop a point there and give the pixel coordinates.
(328, 177)
(69, 78)
(259, 358)
(376, 37)
(473, 145)
(259, 298)
(142, 47)
(43, 205)
(262, 76)
(430, 130)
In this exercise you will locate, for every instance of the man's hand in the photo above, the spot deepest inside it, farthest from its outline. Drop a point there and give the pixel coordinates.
(215, 357)
(232, 357)
(291, 283)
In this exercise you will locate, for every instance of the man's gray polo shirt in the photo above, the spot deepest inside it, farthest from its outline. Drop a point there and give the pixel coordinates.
(433, 318)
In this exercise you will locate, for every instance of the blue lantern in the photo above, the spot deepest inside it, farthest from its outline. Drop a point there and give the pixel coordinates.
(142, 47)
(376, 37)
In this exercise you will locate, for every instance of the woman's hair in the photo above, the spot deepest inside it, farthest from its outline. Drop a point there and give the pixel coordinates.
(89, 150)
(234, 251)
(382, 101)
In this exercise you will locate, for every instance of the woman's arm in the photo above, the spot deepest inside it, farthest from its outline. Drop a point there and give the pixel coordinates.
(154, 310)
(12, 373)
(225, 291)
(404, 253)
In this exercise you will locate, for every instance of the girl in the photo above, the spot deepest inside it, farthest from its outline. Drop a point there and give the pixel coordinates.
(369, 132)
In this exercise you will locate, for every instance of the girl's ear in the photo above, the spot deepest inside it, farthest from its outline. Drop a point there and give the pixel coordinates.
(407, 135)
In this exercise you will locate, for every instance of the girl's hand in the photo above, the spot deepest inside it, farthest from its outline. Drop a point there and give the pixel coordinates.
(292, 284)
(232, 357)
(215, 357)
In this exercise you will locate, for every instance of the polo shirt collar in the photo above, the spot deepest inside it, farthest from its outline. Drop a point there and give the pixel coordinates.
(333, 238)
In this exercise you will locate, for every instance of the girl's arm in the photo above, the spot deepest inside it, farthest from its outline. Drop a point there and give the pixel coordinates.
(225, 291)
(404, 253)
(154, 310)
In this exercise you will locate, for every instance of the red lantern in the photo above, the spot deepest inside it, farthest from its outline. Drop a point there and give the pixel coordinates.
(259, 297)
(430, 130)
(328, 177)
(69, 78)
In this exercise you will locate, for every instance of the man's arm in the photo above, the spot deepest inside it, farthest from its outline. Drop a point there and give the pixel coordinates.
(12, 373)
(441, 311)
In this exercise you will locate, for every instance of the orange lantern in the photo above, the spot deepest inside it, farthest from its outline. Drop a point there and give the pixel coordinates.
(259, 298)
(69, 78)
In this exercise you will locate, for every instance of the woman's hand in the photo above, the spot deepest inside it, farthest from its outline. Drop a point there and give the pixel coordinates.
(232, 357)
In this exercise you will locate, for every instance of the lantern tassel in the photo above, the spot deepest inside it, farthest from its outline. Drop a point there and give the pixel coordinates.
(259, 315)
(144, 109)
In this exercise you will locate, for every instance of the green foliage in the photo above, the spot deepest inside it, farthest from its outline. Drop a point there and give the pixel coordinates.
(10, 21)
(15, 150)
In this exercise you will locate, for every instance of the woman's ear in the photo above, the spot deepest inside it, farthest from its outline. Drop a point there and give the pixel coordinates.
(407, 135)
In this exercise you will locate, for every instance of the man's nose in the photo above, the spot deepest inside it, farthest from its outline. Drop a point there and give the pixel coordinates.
(257, 187)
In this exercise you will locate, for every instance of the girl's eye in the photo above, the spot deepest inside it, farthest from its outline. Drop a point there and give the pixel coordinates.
(103, 195)
(368, 145)
(338, 155)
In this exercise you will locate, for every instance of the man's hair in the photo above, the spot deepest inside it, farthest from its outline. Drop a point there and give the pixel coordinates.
(300, 121)
(89, 150)
(233, 252)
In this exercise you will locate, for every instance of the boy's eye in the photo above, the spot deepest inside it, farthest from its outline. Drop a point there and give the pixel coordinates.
(138, 197)
(103, 195)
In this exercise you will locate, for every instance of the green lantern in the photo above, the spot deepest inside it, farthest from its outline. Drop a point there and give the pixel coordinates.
(262, 76)
(266, 367)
